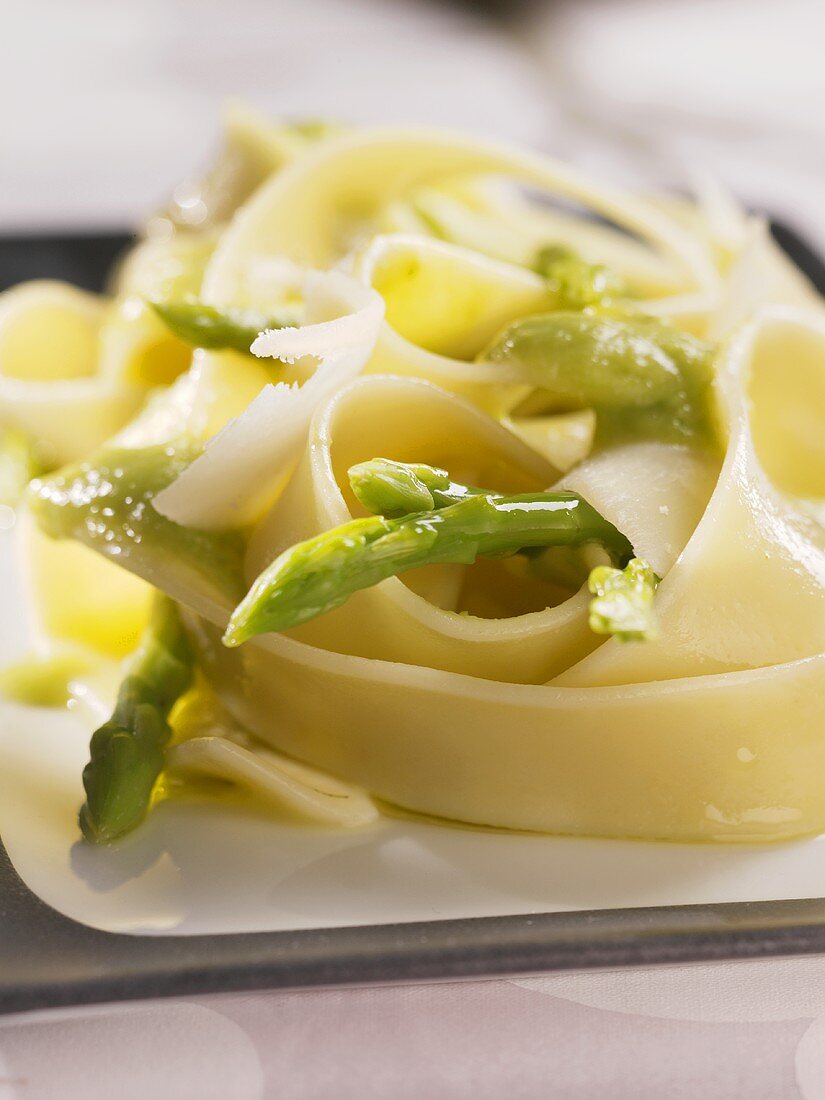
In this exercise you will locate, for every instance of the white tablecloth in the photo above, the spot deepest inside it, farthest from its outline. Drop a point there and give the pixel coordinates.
(754, 1030)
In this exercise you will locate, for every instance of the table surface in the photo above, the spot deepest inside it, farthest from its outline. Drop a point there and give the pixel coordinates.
(754, 1030)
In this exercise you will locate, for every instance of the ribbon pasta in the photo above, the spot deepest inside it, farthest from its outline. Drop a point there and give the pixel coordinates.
(477, 692)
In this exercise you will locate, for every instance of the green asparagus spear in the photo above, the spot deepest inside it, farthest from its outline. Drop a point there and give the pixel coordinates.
(392, 489)
(395, 489)
(203, 326)
(320, 574)
(623, 601)
(106, 503)
(643, 378)
(576, 283)
(126, 753)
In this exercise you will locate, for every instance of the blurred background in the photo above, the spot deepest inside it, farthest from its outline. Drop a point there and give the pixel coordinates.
(106, 104)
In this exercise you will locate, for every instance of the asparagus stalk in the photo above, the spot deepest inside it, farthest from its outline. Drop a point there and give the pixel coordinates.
(643, 377)
(106, 503)
(623, 601)
(320, 574)
(126, 753)
(204, 326)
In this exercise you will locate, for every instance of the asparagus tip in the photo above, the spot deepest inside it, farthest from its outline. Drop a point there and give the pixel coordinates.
(235, 634)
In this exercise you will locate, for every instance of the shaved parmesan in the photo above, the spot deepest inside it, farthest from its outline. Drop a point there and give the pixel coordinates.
(248, 462)
(288, 785)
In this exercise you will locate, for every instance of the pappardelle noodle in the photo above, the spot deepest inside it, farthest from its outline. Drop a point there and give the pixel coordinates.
(403, 468)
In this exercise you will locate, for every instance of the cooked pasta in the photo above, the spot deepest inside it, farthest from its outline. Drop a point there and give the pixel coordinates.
(479, 486)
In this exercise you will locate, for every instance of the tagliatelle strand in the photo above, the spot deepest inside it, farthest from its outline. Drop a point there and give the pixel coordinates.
(50, 383)
(313, 211)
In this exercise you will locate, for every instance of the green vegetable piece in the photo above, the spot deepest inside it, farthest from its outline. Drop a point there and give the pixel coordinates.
(126, 753)
(204, 326)
(18, 465)
(320, 574)
(576, 283)
(623, 603)
(106, 503)
(642, 377)
(597, 359)
(44, 680)
(389, 488)
(392, 489)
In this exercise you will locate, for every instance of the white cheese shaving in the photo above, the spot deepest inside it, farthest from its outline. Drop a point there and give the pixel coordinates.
(245, 465)
(289, 786)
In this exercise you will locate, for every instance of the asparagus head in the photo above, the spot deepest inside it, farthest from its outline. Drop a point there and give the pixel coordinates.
(576, 283)
(126, 753)
(623, 601)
